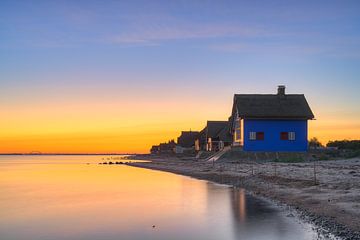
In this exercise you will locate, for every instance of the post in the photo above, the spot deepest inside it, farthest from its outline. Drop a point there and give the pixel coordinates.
(314, 172)
(275, 169)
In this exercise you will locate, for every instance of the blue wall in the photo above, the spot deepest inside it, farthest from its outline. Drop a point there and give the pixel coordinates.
(272, 130)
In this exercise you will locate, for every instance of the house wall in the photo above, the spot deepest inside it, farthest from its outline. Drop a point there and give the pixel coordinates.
(272, 130)
(238, 133)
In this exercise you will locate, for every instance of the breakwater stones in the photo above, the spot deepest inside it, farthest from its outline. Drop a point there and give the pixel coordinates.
(111, 163)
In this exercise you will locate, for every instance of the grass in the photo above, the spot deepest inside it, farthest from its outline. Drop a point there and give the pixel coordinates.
(352, 154)
(294, 159)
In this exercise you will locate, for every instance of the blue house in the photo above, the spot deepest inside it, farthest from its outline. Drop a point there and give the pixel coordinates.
(271, 122)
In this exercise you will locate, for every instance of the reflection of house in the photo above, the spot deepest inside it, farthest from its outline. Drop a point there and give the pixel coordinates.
(270, 122)
(187, 139)
(214, 136)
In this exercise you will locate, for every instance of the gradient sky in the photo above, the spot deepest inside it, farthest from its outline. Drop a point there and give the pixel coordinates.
(119, 76)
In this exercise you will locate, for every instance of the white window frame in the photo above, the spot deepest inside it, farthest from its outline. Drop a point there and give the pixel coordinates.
(291, 136)
(252, 135)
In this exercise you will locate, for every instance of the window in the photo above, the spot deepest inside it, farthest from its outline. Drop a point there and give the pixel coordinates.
(238, 134)
(238, 130)
(260, 136)
(292, 136)
(256, 136)
(287, 136)
(252, 135)
(284, 136)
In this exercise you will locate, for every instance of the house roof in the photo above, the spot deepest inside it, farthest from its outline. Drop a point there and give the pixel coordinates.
(187, 138)
(202, 135)
(224, 134)
(287, 106)
(216, 129)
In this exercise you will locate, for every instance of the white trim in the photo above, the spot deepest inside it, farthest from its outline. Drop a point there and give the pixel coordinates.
(291, 136)
(252, 135)
(241, 131)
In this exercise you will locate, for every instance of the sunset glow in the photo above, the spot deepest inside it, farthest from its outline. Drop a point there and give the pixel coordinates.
(118, 78)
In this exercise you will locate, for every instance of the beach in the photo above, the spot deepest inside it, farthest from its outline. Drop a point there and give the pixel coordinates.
(330, 198)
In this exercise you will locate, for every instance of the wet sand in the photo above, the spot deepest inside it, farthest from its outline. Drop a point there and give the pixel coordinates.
(331, 199)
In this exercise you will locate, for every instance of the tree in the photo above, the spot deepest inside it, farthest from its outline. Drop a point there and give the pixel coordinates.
(315, 143)
(345, 144)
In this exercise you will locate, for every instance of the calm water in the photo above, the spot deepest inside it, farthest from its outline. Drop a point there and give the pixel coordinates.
(72, 197)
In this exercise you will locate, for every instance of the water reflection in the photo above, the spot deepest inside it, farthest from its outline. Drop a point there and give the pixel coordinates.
(73, 200)
(238, 202)
(259, 219)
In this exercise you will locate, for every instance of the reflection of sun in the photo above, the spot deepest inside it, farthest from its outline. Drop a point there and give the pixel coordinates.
(242, 205)
(239, 204)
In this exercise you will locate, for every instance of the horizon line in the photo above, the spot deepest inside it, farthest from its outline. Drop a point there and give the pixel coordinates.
(69, 154)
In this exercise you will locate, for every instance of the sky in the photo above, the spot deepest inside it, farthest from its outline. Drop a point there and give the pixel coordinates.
(120, 76)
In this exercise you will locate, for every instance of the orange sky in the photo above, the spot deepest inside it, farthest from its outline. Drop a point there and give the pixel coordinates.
(126, 126)
(120, 126)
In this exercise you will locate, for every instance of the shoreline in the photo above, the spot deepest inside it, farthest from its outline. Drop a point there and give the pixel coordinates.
(291, 192)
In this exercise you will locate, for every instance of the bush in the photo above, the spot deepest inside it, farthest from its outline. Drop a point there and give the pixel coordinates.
(345, 144)
(324, 157)
(352, 154)
(314, 143)
(292, 159)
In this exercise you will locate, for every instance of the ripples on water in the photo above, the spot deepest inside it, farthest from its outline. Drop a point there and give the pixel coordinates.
(62, 197)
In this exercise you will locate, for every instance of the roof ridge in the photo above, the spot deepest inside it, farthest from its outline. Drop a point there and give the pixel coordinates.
(272, 105)
(267, 94)
(217, 121)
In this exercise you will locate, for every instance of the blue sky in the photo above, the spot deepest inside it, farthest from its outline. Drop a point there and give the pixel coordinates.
(205, 50)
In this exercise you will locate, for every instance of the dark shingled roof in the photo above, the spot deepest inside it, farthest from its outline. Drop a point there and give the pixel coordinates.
(224, 135)
(214, 130)
(202, 136)
(187, 138)
(288, 106)
(215, 127)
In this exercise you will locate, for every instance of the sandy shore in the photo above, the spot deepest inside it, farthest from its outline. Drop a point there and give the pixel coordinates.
(333, 203)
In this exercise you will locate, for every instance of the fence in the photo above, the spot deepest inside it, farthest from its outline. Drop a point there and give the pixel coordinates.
(290, 171)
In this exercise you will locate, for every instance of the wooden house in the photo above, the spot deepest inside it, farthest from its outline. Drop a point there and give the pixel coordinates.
(187, 139)
(270, 122)
(214, 137)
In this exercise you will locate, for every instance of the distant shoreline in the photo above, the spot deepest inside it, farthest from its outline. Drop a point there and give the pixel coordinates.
(62, 154)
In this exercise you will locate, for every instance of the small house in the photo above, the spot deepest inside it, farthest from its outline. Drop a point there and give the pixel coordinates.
(270, 122)
(167, 148)
(155, 149)
(214, 137)
(187, 139)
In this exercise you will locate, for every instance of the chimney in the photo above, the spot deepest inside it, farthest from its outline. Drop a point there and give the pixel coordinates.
(281, 90)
